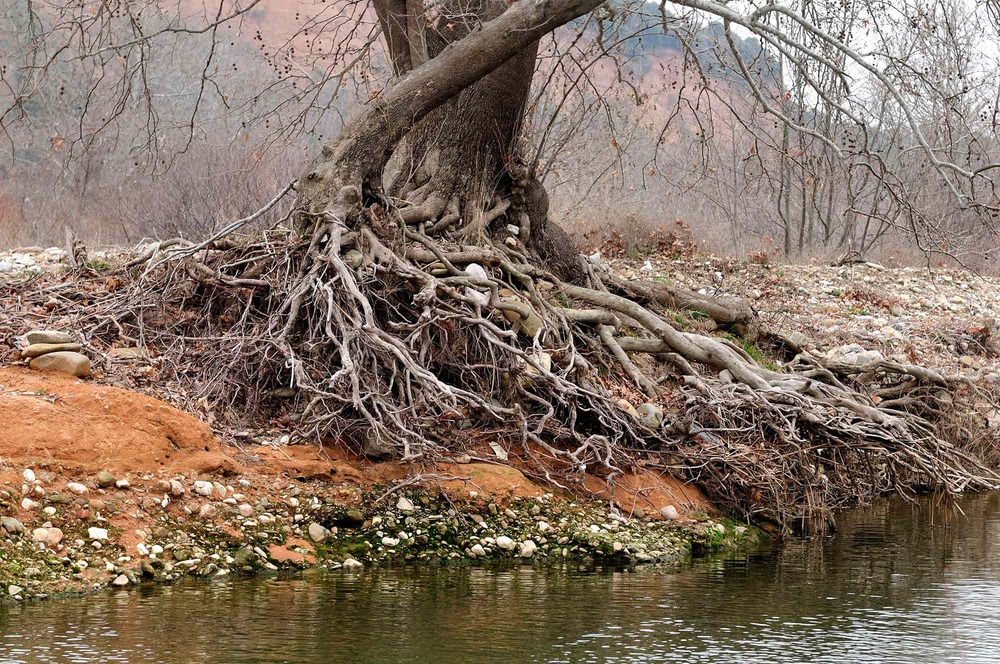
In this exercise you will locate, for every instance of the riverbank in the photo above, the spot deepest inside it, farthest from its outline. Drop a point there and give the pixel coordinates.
(135, 474)
(77, 536)
(103, 486)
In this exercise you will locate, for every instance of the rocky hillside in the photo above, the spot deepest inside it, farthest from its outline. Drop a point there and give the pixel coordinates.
(941, 318)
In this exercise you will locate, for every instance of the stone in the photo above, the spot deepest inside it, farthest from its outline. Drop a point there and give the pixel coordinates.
(243, 556)
(528, 548)
(318, 532)
(48, 536)
(36, 350)
(176, 489)
(404, 504)
(207, 511)
(15, 590)
(506, 543)
(354, 259)
(529, 326)
(120, 581)
(105, 479)
(544, 527)
(64, 362)
(122, 484)
(203, 488)
(855, 355)
(11, 525)
(477, 550)
(651, 415)
(628, 408)
(49, 337)
(670, 513)
(77, 488)
(28, 504)
(245, 510)
(29, 475)
(354, 518)
(351, 564)
(95, 533)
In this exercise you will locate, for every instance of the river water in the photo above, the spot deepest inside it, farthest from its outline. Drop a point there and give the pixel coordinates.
(898, 583)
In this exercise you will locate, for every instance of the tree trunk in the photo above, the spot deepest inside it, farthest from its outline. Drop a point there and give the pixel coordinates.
(460, 168)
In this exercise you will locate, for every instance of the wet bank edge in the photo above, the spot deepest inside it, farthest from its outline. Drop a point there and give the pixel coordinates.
(162, 531)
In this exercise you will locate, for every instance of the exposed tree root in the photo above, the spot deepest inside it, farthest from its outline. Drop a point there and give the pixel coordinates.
(400, 341)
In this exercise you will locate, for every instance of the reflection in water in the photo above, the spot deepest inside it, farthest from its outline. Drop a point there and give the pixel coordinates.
(898, 583)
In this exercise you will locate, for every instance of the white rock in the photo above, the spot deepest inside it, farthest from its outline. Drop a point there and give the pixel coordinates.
(670, 513)
(15, 590)
(506, 543)
(404, 504)
(29, 475)
(95, 533)
(49, 510)
(477, 550)
(121, 581)
(317, 532)
(203, 488)
(389, 541)
(207, 511)
(528, 548)
(28, 504)
(122, 484)
(77, 488)
(246, 510)
(544, 527)
(351, 563)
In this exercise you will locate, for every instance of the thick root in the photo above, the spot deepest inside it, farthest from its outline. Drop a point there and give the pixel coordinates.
(398, 340)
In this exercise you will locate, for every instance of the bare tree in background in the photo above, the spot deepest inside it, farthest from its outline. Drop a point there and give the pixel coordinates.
(418, 287)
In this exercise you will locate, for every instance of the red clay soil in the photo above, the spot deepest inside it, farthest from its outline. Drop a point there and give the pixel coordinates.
(57, 421)
(61, 423)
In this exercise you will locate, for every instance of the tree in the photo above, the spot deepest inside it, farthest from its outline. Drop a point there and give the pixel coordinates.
(404, 309)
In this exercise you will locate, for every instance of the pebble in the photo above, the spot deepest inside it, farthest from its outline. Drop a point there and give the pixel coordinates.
(49, 337)
(28, 504)
(95, 533)
(62, 361)
(105, 479)
(528, 548)
(670, 513)
(404, 504)
(318, 532)
(122, 484)
(203, 488)
(77, 488)
(351, 563)
(29, 475)
(477, 550)
(120, 581)
(11, 525)
(246, 510)
(15, 590)
(207, 511)
(506, 543)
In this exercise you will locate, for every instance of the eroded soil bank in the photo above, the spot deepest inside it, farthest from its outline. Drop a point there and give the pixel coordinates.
(105, 486)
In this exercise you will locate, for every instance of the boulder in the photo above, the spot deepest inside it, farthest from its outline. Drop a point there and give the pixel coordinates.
(651, 415)
(35, 350)
(63, 361)
(49, 337)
